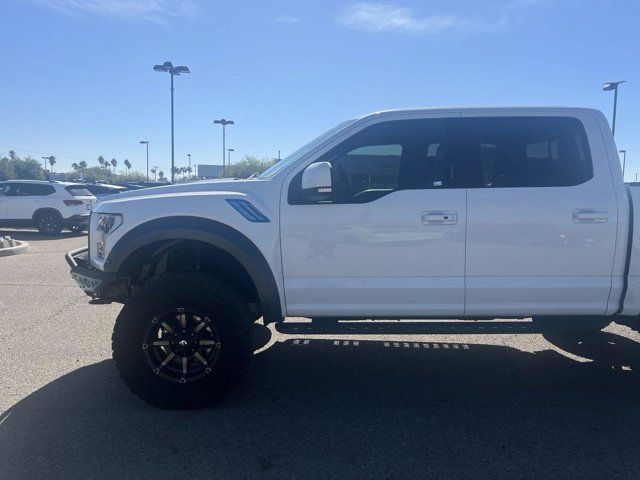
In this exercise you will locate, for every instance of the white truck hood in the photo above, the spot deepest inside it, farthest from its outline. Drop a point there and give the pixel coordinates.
(204, 186)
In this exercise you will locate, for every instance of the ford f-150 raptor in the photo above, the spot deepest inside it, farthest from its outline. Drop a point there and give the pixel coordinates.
(466, 213)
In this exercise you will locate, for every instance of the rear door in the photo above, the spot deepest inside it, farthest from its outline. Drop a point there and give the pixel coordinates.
(541, 218)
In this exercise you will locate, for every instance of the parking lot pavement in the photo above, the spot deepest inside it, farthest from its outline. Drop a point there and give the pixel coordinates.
(451, 406)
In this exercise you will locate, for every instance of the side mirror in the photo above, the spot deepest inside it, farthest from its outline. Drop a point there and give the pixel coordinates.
(316, 181)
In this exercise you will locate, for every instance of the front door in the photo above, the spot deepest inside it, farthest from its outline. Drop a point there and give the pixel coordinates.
(390, 242)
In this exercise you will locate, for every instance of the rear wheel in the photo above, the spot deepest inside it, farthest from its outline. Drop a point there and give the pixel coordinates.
(183, 342)
(49, 223)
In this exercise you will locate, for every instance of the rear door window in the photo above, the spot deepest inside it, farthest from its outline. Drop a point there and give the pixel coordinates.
(530, 152)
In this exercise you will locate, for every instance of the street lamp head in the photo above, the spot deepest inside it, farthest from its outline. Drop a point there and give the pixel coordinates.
(168, 67)
(622, 151)
(230, 150)
(609, 86)
(223, 121)
(144, 142)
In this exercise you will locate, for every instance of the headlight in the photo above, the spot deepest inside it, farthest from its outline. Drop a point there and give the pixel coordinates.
(108, 222)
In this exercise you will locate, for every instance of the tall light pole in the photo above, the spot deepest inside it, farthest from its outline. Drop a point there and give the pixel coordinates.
(224, 122)
(607, 87)
(146, 142)
(189, 155)
(173, 71)
(44, 161)
(229, 150)
(624, 161)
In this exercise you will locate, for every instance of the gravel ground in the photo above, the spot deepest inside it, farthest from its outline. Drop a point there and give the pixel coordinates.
(433, 405)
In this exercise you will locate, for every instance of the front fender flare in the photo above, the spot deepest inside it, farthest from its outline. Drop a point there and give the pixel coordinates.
(208, 231)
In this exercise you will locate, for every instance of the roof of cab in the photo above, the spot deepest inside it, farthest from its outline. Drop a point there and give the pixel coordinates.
(494, 110)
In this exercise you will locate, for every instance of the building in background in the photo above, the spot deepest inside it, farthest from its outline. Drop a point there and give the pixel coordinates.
(209, 171)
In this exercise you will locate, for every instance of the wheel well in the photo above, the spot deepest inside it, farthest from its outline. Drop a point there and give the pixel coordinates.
(172, 256)
(44, 210)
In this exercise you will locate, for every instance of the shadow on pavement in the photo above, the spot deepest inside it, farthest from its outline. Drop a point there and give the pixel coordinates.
(335, 409)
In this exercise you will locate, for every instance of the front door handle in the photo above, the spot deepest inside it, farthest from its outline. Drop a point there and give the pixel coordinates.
(439, 217)
(591, 215)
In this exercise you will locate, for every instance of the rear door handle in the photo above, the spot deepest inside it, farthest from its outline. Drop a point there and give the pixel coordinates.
(439, 217)
(591, 215)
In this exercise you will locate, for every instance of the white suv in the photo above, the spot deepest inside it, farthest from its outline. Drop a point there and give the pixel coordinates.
(48, 206)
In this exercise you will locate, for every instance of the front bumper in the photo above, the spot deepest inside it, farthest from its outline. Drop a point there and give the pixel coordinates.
(104, 286)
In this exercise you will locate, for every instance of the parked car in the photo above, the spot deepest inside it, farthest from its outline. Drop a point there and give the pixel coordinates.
(103, 190)
(474, 213)
(47, 206)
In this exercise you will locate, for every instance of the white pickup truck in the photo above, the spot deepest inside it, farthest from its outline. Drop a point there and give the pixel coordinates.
(465, 213)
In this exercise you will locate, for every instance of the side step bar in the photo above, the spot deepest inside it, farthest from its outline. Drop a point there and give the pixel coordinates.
(399, 327)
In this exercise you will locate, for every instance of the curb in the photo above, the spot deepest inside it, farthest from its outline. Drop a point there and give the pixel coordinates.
(22, 247)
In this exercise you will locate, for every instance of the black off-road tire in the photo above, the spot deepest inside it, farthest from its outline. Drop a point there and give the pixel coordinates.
(48, 223)
(227, 317)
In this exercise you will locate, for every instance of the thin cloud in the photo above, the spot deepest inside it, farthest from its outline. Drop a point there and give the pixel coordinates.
(286, 19)
(381, 17)
(158, 11)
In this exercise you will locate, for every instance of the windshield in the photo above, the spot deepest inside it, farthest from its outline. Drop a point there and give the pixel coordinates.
(292, 158)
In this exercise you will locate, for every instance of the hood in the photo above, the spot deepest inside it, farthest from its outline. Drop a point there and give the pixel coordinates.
(226, 185)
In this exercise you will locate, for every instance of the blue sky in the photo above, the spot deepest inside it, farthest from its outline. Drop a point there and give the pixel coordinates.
(78, 82)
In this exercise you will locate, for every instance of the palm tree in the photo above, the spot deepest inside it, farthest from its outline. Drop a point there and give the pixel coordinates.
(82, 166)
(154, 170)
(75, 167)
(189, 170)
(127, 165)
(101, 160)
(161, 175)
(52, 162)
(114, 163)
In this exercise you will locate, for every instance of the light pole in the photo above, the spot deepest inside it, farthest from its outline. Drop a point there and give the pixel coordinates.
(607, 87)
(229, 150)
(189, 155)
(146, 142)
(44, 161)
(224, 122)
(173, 71)
(624, 161)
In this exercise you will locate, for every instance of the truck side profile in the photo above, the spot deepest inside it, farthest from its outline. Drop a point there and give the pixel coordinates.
(466, 213)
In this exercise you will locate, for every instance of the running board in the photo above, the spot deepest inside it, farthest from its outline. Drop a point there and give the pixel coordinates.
(399, 327)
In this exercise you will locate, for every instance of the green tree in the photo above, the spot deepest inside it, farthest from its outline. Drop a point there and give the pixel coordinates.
(248, 166)
(52, 162)
(101, 160)
(161, 176)
(6, 169)
(127, 165)
(114, 163)
(75, 167)
(83, 165)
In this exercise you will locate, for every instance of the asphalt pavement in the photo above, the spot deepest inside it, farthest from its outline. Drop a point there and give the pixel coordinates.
(448, 405)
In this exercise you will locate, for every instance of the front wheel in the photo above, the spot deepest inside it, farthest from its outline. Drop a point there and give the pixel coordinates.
(183, 342)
